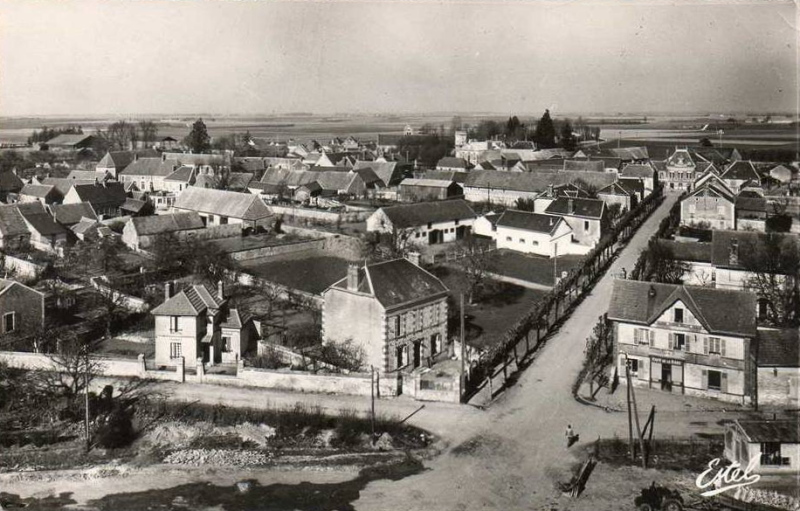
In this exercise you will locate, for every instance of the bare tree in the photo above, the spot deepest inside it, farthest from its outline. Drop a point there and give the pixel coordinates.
(658, 264)
(476, 264)
(148, 131)
(345, 355)
(121, 135)
(73, 366)
(773, 264)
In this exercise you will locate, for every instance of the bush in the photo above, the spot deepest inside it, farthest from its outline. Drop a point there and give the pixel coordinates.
(116, 430)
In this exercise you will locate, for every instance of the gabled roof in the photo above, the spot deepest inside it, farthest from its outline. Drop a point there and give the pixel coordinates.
(87, 175)
(567, 206)
(422, 213)
(41, 191)
(388, 171)
(41, 222)
(236, 319)
(369, 177)
(116, 159)
(398, 282)
(533, 181)
(68, 139)
(107, 193)
(614, 189)
(720, 311)
(336, 181)
(196, 159)
(133, 205)
(452, 162)
(536, 222)
(632, 185)
(161, 224)
(192, 301)
(741, 170)
(778, 347)
(763, 431)
(63, 184)
(251, 163)
(713, 190)
(154, 167)
(447, 175)
(10, 182)
(715, 155)
(11, 221)
(69, 214)
(750, 203)
(224, 203)
(630, 153)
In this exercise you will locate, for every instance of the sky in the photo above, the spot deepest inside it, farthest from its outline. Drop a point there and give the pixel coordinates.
(87, 57)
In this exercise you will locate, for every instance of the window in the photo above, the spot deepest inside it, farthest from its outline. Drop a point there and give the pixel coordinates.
(678, 315)
(633, 363)
(714, 346)
(679, 342)
(226, 344)
(585, 225)
(395, 322)
(174, 350)
(430, 225)
(643, 336)
(714, 380)
(223, 220)
(436, 344)
(174, 325)
(457, 222)
(416, 235)
(522, 240)
(9, 322)
(771, 454)
(402, 356)
(534, 243)
(508, 238)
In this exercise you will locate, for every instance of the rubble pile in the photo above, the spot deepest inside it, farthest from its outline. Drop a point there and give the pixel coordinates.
(222, 457)
(767, 497)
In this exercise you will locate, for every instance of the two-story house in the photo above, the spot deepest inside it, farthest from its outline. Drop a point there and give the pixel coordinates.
(711, 205)
(148, 173)
(740, 172)
(106, 198)
(424, 223)
(586, 217)
(196, 323)
(395, 310)
(683, 339)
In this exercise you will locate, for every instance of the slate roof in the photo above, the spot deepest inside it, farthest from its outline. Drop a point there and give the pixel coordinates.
(614, 189)
(192, 301)
(741, 170)
(718, 310)
(110, 192)
(63, 184)
(778, 347)
(196, 159)
(447, 175)
(116, 159)
(786, 431)
(369, 177)
(632, 185)
(389, 171)
(452, 162)
(421, 213)
(69, 214)
(235, 319)
(641, 170)
(10, 182)
(154, 167)
(588, 208)
(41, 191)
(695, 251)
(224, 203)
(133, 205)
(40, 221)
(161, 224)
(396, 283)
(590, 165)
(536, 222)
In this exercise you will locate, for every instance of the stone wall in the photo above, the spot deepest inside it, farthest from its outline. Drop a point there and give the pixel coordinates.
(300, 381)
(24, 270)
(778, 386)
(319, 215)
(338, 245)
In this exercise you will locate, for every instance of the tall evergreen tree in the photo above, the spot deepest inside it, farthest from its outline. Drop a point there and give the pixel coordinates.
(568, 140)
(198, 139)
(545, 134)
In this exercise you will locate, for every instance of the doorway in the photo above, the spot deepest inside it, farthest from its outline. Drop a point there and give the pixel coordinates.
(666, 377)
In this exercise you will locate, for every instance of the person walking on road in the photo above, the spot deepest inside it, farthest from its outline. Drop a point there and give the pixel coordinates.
(569, 434)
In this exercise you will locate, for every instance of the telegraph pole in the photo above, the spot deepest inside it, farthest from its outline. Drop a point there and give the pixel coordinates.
(463, 344)
(372, 392)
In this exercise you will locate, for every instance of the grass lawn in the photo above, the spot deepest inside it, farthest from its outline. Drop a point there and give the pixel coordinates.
(532, 268)
(312, 273)
(494, 312)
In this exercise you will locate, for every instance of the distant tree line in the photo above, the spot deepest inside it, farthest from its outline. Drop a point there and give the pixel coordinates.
(48, 133)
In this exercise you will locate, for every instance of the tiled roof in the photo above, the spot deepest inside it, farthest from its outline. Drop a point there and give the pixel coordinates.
(451, 162)
(590, 165)
(235, 319)
(68, 139)
(389, 171)
(63, 184)
(133, 205)
(630, 153)
(410, 215)
(10, 182)
(433, 183)
(720, 311)
(192, 301)
(369, 177)
(741, 170)
(745, 203)
(694, 251)
(533, 181)
(642, 170)
(160, 224)
(86, 175)
(778, 347)
(43, 223)
(244, 206)
(785, 431)
(150, 167)
(116, 159)
(84, 226)
(589, 208)
(632, 185)
(614, 189)
(196, 159)
(536, 222)
(250, 163)
(11, 221)
(38, 190)
(182, 174)
(447, 175)
(398, 282)
(711, 189)
(69, 214)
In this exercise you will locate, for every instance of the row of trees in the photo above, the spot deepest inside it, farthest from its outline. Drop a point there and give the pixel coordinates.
(47, 133)
(121, 135)
(545, 133)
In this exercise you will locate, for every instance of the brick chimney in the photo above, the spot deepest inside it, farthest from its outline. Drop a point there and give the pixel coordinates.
(221, 290)
(168, 290)
(352, 277)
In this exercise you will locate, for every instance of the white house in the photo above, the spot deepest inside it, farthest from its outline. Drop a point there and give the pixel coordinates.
(424, 223)
(775, 443)
(534, 233)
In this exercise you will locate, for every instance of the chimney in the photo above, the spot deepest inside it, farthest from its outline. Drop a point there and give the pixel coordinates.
(221, 290)
(352, 277)
(551, 221)
(652, 291)
(570, 206)
(168, 290)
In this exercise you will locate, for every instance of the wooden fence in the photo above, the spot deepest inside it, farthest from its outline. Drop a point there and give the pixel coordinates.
(497, 364)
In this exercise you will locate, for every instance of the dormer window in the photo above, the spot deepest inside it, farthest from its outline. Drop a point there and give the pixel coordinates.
(678, 315)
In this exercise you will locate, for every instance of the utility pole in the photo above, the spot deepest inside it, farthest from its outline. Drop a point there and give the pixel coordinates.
(638, 429)
(372, 392)
(463, 344)
(630, 421)
(619, 139)
(86, 396)
(555, 265)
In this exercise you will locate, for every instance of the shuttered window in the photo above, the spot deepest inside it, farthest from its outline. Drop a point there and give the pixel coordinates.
(643, 336)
